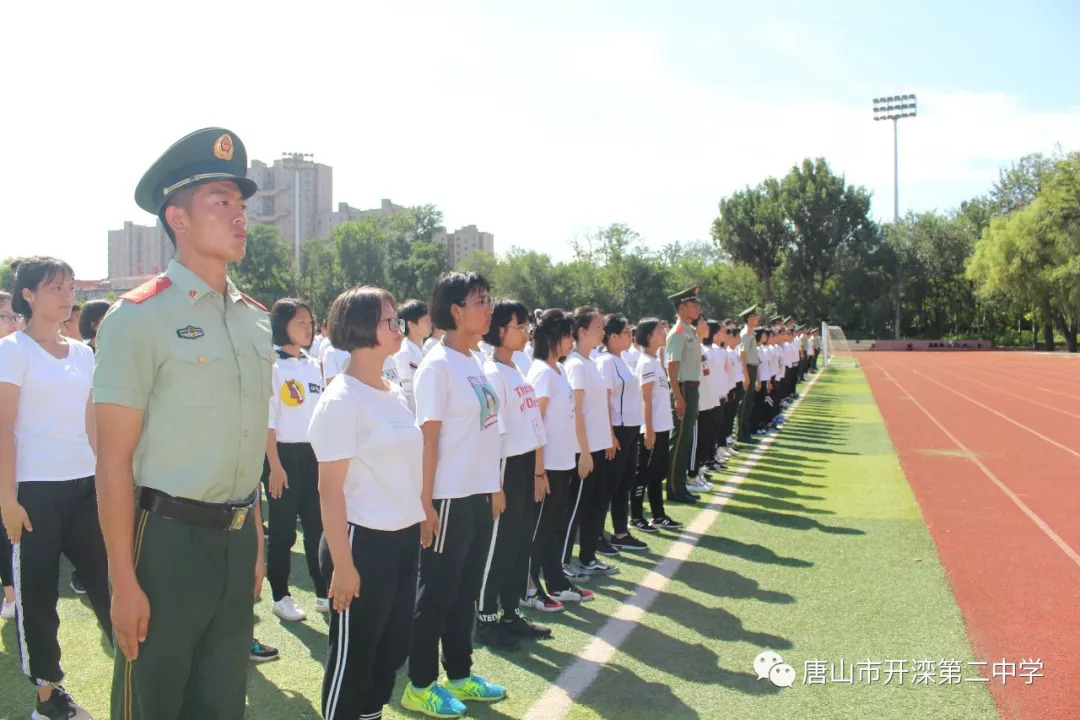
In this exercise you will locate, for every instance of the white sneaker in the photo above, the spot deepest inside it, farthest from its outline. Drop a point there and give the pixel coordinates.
(7, 610)
(322, 605)
(287, 609)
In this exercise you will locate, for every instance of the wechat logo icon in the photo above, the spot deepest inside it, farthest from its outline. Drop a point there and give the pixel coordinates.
(770, 666)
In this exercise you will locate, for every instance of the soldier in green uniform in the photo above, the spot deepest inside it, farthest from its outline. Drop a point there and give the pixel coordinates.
(748, 350)
(683, 351)
(181, 386)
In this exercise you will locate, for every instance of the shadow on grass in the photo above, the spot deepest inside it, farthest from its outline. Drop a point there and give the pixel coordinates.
(748, 498)
(267, 700)
(794, 522)
(751, 552)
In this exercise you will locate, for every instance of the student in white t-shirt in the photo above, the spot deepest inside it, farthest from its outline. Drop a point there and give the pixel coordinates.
(291, 474)
(369, 452)
(633, 353)
(553, 339)
(416, 322)
(701, 451)
(596, 444)
(729, 342)
(458, 411)
(524, 484)
(654, 446)
(624, 404)
(47, 495)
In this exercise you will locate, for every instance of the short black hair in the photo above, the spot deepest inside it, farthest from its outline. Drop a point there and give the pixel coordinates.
(583, 317)
(549, 329)
(645, 328)
(355, 316)
(92, 312)
(411, 311)
(31, 274)
(714, 327)
(281, 314)
(453, 288)
(505, 310)
(181, 198)
(614, 324)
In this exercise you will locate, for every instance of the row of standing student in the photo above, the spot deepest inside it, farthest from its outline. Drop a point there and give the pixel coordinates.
(498, 474)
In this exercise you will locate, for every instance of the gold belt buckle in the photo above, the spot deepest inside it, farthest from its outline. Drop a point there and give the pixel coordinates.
(238, 518)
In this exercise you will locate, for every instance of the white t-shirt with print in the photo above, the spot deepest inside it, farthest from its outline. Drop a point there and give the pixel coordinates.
(583, 374)
(374, 430)
(736, 363)
(625, 407)
(452, 388)
(560, 418)
(51, 443)
(708, 398)
(521, 427)
(654, 380)
(295, 386)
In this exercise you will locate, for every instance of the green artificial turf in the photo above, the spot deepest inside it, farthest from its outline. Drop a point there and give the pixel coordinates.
(821, 554)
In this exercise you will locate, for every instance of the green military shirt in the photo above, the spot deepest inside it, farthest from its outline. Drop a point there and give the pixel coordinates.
(684, 348)
(748, 346)
(198, 365)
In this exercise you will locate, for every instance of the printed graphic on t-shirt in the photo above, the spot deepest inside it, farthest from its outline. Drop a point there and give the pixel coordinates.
(292, 393)
(489, 401)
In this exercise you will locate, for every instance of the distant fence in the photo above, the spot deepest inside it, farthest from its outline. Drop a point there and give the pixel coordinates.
(932, 345)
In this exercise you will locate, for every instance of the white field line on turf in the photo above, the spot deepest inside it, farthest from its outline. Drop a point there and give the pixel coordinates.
(1012, 394)
(1039, 522)
(573, 680)
(1003, 416)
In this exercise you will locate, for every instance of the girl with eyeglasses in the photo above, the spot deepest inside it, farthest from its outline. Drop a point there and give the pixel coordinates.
(370, 480)
(457, 409)
(292, 470)
(524, 484)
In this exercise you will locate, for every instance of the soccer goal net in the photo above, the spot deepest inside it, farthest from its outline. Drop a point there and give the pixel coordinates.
(836, 349)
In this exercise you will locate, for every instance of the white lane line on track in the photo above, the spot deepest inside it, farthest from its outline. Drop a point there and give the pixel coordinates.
(575, 679)
(1003, 416)
(1012, 394)
(1039, 522)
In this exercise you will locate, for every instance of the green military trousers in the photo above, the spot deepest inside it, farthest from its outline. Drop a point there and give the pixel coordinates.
(746, 408)
(682, 439)
(200, 583)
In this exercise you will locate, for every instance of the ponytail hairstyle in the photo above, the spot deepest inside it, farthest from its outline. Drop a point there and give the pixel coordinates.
(614, 324)
(505, 311)
(549, 329)
(645, 328)
(582, 319)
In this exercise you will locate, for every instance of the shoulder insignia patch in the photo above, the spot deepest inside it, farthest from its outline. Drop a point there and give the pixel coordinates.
(147, 290)
(678, 328)
(252, 301)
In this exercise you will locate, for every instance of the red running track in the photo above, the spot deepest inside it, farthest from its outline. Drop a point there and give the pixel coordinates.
(995, 467)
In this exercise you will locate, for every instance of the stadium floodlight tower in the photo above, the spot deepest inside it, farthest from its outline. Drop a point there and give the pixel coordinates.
(895, 108)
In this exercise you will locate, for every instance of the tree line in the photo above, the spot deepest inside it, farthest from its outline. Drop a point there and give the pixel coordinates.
(1000, 265)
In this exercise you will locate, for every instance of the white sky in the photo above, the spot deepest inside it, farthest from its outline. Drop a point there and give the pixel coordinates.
(536, 126)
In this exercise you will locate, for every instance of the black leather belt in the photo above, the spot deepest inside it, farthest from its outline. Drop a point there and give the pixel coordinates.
(217, 516)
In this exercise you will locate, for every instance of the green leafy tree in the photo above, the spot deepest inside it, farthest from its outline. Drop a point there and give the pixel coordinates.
(753, 229)
(829, 218)
(265, 272)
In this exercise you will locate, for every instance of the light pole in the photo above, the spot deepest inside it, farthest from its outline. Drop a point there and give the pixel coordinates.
(297, 161)
(895, 107)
